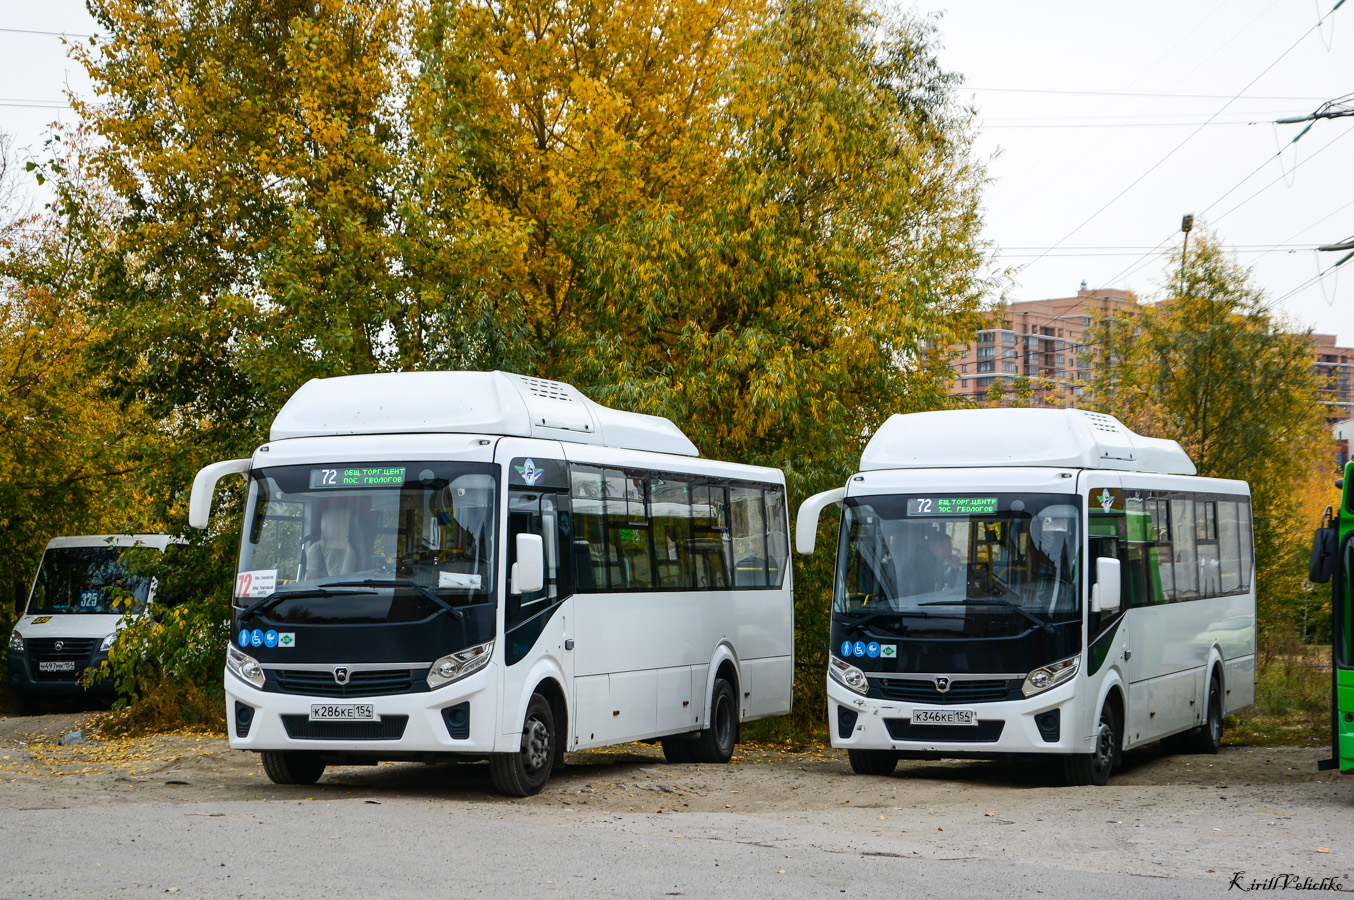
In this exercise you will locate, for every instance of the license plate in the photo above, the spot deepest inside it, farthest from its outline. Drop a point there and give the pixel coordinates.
(60, 665)
(944, 717)
(342, 712)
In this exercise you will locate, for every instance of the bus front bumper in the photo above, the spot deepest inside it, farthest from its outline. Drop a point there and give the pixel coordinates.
(457, 718)
(1043, 724)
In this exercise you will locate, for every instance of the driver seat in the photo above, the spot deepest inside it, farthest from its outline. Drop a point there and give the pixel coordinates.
(333, 553)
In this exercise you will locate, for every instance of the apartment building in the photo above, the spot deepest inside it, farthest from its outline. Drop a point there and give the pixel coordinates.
(1335, 367)
(1043, 341)
(1039, 339)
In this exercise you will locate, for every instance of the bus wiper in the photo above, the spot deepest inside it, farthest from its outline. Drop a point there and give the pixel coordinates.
(996, 601)
(400, 582)
(277, 597)
(858, 624)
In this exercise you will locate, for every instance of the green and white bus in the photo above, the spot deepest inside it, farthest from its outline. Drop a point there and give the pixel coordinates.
(1332, 559)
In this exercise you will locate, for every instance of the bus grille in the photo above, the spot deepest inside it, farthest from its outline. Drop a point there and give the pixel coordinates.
(321, 683)
(923, 690)
(985, 732)
(391, 728)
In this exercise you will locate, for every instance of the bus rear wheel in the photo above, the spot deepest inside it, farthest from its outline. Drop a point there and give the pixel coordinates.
(715, 744)
(525, 772)
(1095, 767)
(292, 766)
(1208, 739)
(872, 762)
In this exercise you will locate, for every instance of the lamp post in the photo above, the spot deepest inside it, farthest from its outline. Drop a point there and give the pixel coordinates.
(1186, 225)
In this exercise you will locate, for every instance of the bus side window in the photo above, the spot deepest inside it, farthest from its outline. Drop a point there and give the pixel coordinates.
(748, 519)
(533, 514)
(589, 530)
(777, 538)
(670, 505)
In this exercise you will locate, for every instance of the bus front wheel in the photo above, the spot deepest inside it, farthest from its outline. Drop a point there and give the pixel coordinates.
(292, 766)
(1095, 767)
(525, 772)
(872, 762)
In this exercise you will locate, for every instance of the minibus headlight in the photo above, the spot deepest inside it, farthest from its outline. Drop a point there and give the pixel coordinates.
(848, 675)
(16, 642)
(107, 643)
(247, 668)
(455, 666)
(1052, 675)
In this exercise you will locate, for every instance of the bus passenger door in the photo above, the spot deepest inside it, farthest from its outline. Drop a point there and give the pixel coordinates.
(535, 624)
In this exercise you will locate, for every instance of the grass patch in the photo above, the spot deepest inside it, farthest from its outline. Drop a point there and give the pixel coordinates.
(1292, 698)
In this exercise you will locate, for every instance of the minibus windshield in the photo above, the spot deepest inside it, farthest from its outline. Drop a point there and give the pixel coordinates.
(972, 564)
(88, 580)
(367, 542)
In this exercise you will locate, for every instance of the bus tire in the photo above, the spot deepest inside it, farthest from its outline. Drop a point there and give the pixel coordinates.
(715, 744)
(292, 766)
(1095, 768)
(872, 762)
(1208, 737)
(24, 704)
(525, 772)
(679, 749)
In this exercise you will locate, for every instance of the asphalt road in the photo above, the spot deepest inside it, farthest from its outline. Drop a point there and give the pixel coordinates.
(186, 816)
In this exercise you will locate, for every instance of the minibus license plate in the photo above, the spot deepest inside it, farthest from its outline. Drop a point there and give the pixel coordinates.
(944, 717)
(60, 665)
(342, 712)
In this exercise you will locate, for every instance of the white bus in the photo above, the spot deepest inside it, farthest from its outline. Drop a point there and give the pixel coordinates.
(489, 565)
(80, 597)
(1034, 581)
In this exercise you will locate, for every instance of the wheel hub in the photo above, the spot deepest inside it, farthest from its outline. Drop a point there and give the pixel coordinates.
(536, 744)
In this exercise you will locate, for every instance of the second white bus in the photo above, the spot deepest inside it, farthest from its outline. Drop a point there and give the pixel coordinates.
(1034, 581)
(489, 565)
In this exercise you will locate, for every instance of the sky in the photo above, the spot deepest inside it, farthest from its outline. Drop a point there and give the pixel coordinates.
(1101, 125)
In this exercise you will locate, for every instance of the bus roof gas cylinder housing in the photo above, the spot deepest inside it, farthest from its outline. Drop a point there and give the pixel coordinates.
(498, 403)
(1061, 438)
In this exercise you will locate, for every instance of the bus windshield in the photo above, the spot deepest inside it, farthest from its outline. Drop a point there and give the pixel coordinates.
(88, 580)
(370, 542)
(976, 564)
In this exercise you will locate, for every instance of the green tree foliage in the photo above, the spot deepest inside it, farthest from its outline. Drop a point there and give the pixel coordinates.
(759, 219)
(1213, 369)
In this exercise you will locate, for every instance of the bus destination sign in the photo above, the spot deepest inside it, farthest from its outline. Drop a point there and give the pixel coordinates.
(951, 506)
(357, 477)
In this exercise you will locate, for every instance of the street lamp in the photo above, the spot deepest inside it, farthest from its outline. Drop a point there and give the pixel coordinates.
(1186, 225)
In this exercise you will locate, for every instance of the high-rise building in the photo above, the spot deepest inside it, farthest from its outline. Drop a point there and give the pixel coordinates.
(1043, 340)
(1038, 339)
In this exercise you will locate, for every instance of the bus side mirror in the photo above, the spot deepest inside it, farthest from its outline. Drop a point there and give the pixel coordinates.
(1105, 592)
(204, 488)
(1324, 542)
(528, 573)
(806, 523)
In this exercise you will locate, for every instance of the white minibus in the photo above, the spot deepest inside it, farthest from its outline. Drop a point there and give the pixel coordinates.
(80, 597)
(1034, 581)
(482, 564)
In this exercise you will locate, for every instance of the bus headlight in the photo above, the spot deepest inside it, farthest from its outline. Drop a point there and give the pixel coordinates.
(107, 643)
(16, 642)
(247, 668)
(458, 665)
(847, 675)
(1052, 675)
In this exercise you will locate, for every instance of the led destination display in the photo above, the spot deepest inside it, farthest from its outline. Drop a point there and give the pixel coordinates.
(951, 506)
(357, 477)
